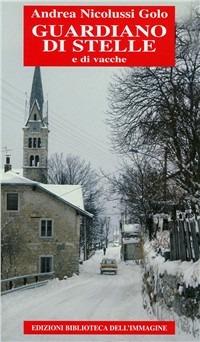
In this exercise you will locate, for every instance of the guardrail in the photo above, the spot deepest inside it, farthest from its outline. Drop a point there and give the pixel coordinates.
(25, 282)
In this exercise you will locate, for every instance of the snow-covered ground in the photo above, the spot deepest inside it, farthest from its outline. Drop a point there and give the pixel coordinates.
(188, 270)
(89, 296)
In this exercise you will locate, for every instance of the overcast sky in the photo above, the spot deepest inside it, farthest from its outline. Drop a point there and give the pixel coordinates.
(77, 96)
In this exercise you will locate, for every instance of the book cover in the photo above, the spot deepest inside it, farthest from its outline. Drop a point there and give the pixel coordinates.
(100, 179)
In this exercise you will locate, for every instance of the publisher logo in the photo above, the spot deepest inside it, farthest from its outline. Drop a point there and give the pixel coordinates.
(99, 327)
(99, 36)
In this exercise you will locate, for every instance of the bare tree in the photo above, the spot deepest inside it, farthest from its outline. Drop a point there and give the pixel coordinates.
(102, 232)
(159, 108)
(71, 169)
(139, 184)
(12, 246)
(139, 188)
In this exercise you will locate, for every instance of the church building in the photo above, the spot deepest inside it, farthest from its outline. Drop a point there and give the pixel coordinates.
(35, 141)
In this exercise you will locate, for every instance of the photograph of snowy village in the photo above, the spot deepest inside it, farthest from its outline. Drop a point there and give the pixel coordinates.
(100, 189)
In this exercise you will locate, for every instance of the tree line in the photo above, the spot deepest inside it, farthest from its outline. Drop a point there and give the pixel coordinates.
(156, 111)
(71, 169)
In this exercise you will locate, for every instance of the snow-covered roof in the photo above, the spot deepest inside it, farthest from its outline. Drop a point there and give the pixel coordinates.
(70, 193)
(130, 240)
(132, 228)
(11, 177)
(18, 171)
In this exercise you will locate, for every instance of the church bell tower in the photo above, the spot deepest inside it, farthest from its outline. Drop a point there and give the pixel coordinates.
(35, 143)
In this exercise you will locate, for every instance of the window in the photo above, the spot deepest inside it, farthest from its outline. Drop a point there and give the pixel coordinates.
(29, 142)
(39, 142)
(34, 142)
(34, 161)
(31, 160)
(7, 160)
(46, 264)
(46, 228)
(37, 161)
(35, 117)
(12, 201)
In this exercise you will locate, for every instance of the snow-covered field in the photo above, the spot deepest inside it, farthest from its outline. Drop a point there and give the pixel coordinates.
(89, 296)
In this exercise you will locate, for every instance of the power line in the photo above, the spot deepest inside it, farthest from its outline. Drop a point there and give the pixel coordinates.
(60, 126)
(100, 144)
(4, 82)
(58, 137)
(64, 116)
(79, 142)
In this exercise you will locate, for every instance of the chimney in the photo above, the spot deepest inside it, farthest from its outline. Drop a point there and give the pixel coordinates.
(7, 165)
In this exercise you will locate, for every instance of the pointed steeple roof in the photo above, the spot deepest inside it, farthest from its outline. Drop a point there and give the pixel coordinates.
(37, 90)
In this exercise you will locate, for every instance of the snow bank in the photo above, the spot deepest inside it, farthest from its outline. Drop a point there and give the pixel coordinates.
(171, 290)
(188, 271)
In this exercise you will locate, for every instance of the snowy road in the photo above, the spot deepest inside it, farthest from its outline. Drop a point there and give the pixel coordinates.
(89, 296)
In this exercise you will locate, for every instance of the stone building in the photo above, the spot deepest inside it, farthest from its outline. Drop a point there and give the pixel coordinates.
(40, 226)
(35, 143)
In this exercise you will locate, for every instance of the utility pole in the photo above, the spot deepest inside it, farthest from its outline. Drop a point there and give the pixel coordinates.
(7, 165)
(107, 229)
(85, 238)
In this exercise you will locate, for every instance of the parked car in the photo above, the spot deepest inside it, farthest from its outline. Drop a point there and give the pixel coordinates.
(108, 265)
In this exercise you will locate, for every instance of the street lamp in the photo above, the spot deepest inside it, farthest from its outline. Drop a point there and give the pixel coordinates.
(134, 150)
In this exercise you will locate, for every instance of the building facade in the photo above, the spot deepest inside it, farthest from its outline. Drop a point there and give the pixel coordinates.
(40, 228)
(40, 221)
(35, 131)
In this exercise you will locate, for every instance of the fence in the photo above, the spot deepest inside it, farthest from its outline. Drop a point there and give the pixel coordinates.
(25, 282)
(185, 240)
